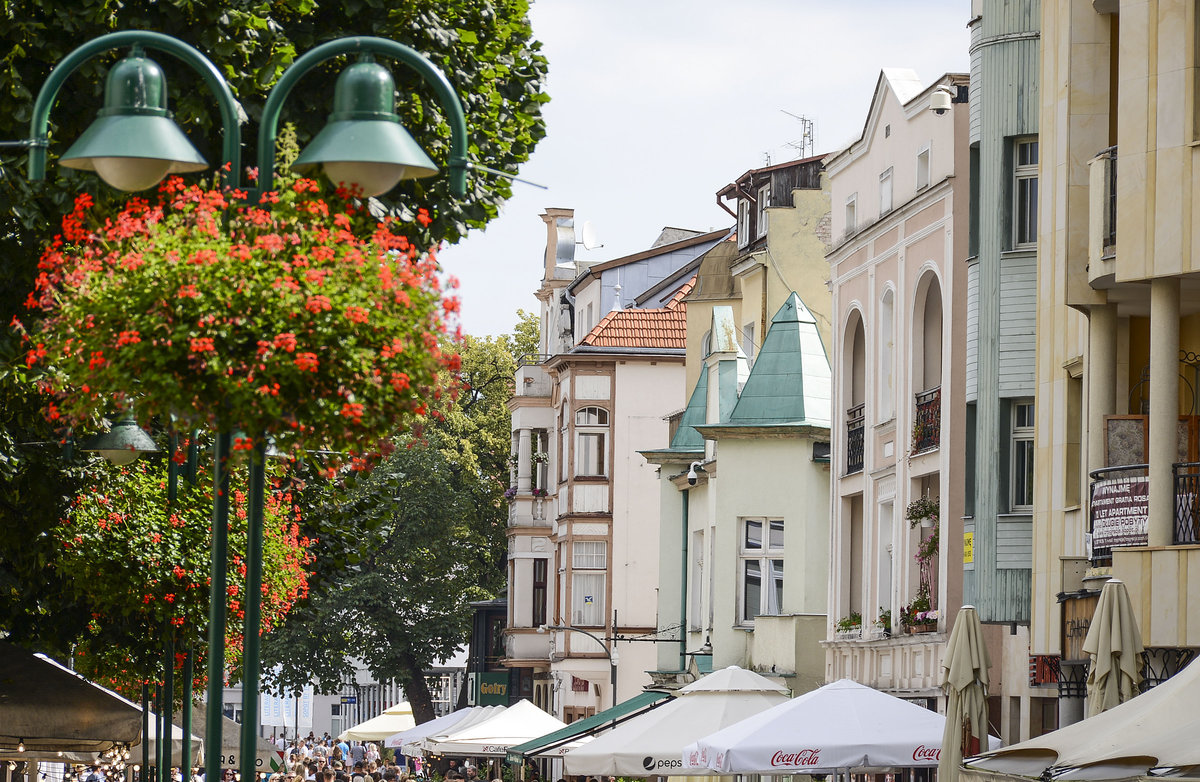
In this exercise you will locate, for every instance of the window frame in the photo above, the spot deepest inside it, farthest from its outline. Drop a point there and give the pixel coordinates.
(1021, 444)
(851, 213)
(765, 555)
(539, 590)
(760, 215)
(743, 222)
(1024, 214)
(582, 567)
(924, 170)
(591, 430)
(887, 187)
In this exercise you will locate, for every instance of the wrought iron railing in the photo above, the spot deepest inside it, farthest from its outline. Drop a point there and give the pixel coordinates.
(1116, 509)
(927, 426)
(1110, 207)
(1187, 502)
(855, 438)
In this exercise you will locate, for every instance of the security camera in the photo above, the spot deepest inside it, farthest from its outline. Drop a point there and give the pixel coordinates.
(691, 476)
(940, 100)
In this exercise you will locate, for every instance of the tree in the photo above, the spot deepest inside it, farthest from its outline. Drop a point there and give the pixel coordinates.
(429, 524)
(485, 48)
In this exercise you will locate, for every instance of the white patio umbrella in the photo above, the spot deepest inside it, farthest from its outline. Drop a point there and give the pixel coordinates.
(1114, 646)
(197, 745)
(392, 721)
(476, 714)
(438, 724)
(652, 743)
(492, 737)
(843, 725)
(1151, 731)
(965, 679)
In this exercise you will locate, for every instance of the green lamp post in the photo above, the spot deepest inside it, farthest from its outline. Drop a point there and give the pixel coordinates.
(134, 144)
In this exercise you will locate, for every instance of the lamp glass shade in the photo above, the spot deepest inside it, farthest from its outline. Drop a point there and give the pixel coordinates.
(124, 441)
(134, 143)
(364, 145)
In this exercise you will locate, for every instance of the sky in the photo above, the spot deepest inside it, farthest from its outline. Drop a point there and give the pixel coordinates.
(658, 104)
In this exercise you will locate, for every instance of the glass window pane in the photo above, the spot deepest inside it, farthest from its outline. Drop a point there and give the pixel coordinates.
(753, 541)
(751, 589)
(587, 599)
(589, 453)
(588, 554)
(775, 593)
(775, 539)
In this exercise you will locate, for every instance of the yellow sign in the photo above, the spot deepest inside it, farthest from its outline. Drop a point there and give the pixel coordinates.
(968, 548)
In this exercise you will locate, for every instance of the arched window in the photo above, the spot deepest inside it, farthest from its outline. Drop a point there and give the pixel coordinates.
(591, 441)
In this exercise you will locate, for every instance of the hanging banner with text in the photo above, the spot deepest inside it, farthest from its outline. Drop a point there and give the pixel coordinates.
(1120, 509)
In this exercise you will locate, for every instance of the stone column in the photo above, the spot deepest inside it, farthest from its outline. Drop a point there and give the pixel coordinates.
(523, 460)
(1164, 407)
(1101, 379)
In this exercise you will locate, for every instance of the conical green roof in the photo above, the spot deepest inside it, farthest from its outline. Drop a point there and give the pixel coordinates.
(790, 381)
(687, 438)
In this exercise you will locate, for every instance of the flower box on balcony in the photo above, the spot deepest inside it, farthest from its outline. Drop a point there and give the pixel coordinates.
(923, 628)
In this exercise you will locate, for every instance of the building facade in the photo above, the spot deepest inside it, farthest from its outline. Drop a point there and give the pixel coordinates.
(899, 207)
(583, 524)
(744, 477)
(1118, 332)
(1001, 268)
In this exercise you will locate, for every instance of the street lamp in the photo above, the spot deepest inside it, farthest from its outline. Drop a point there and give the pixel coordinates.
(610, 650)
(134, 143)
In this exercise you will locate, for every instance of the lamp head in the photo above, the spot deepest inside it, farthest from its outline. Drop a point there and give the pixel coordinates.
(364, 145)
(123, 443)
(134, 143)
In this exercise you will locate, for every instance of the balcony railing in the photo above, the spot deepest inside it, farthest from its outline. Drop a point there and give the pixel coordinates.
(1118, 510)
(1110, 211)
(1187, 502)
(855, 431)
(927, 426)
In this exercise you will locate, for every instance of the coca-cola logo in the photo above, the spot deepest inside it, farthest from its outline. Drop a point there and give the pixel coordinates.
(805, 757)
(926, 753)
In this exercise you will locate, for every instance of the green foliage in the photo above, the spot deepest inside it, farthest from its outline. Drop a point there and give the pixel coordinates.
(853, 621)
(141, 566)
(921, 509)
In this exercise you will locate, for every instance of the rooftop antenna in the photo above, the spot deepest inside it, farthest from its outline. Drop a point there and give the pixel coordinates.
(804, 145)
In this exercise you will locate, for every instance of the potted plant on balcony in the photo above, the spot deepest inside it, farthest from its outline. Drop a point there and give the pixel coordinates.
(539, 493)
(923, 511)
(884, 621)
(849, 625)
(510, 492)
(540, 457)
(915, 617)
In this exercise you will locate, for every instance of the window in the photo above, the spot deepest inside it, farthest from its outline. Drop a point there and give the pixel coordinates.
(589, 567)
(591, 438)
(562, 445)
(743, 222)
(540, 567)
(541, 459)
(1022, 455)
(748, 340)
(885, 192)
(764, 200)
(761, 568)
(923, 168)
(851, 213)
(1025, 193)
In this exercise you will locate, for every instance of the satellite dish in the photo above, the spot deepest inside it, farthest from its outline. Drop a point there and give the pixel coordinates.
(590, 240)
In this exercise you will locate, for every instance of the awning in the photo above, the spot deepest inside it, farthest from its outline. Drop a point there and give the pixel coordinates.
(586, 727)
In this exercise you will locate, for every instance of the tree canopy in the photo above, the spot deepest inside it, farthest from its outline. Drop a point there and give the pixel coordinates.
(428, 526)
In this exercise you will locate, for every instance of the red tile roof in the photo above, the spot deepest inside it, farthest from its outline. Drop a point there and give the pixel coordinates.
(633, 328)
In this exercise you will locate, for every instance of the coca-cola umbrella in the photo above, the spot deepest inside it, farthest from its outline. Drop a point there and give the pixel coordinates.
(843, 725)
(651, 743)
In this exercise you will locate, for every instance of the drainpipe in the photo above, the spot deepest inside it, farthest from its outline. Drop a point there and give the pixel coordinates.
(683, 578)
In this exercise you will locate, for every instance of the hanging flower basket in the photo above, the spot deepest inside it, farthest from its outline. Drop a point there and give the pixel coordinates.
(303, 318)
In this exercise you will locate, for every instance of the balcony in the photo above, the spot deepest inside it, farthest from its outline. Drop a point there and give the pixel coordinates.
(525, 509)
(526, 644)
(531, 378)
(855, 432)
(1119, 508)
(927, 424)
